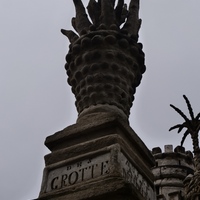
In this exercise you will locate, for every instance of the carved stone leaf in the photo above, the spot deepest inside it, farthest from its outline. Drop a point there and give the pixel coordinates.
(133, 22)
(107, 12)
(94, 11)
(81, 21)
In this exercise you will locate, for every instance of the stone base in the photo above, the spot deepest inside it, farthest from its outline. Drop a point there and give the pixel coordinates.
(101, 159)
(112, 189)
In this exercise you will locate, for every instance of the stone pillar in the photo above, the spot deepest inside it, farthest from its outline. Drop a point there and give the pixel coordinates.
(103, 159)
(172, 167)
(101, 156)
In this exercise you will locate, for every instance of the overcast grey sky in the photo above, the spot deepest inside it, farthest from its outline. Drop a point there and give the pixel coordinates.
(36, 100)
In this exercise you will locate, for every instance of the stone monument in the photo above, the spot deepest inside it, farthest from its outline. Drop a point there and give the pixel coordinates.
(101, 156)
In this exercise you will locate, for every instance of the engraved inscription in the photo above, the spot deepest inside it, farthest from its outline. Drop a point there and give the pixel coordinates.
(78, 172)
(131, 175)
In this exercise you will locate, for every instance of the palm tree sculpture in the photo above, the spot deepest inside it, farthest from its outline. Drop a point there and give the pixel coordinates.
(192, 127)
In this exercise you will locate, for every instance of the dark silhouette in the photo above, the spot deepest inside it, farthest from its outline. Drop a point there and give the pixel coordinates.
(192, 127)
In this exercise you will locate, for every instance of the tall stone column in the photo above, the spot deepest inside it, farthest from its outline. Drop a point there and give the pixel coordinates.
(101, 156)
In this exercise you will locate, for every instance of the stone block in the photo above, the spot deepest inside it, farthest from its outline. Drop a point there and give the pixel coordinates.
(168, 148)
(99, 166)
(156, 150)
(93, 161)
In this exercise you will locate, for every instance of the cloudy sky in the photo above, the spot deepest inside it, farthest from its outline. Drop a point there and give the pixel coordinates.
(36, 100)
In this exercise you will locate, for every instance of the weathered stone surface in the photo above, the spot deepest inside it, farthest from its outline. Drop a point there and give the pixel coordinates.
(97, 133)
(78, 172)
(101, 156)
(94, 153)
(156, 150)
(105, 62)
(133, 176)
(175, 195)
(100, 165)
(113, 189)
(172, 167)
(161, 197)
(168, 148)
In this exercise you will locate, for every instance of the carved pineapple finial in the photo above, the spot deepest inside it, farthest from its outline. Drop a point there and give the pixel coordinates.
(105, 63)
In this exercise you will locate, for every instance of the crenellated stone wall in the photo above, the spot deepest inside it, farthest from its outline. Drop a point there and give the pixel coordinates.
(172, 167)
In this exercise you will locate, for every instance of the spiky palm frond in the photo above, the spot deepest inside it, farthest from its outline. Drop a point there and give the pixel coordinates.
(176, 126)
(189, 107)
(184, 137)
(192, 125)
(179, 112)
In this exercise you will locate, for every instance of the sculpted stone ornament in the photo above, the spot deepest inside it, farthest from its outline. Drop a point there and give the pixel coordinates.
(105, 62)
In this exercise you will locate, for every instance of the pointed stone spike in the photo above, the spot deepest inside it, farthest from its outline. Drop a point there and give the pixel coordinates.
(81, 21)
(124, 14)
(73, 21)
(133, 22)
(118, 11)
(107, 12)
(94, 11)
(70, 34)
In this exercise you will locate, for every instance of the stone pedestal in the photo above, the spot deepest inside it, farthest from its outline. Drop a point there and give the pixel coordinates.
(95, 160)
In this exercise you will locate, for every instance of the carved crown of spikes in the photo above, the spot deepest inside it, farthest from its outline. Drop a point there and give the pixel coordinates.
(105, 62)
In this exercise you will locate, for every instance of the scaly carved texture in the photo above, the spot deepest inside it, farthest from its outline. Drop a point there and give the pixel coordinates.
(193, 188)
(105, 63)
(102, 70)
